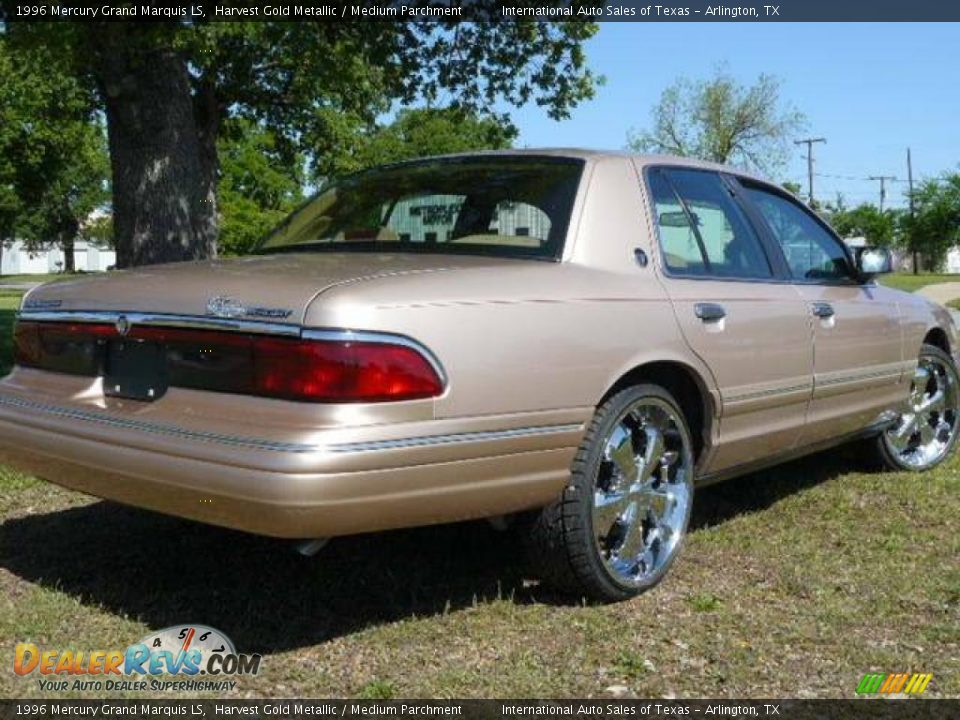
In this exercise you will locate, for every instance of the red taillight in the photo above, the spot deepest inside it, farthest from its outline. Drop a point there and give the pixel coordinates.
(335, 371)
(338, 371)
(61, 347)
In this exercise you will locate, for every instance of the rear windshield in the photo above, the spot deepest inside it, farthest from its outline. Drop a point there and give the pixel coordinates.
(507, 206)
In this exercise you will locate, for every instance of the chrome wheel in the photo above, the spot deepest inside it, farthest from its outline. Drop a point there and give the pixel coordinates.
(642, 492)
(926, 429)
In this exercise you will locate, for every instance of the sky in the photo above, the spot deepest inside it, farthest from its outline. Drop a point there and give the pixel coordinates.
(871, 89)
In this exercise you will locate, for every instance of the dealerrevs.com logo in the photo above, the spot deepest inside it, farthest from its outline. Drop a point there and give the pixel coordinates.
(189, 658)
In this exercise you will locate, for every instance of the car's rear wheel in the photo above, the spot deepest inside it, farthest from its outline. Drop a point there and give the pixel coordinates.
(622, 518)
(926, 430)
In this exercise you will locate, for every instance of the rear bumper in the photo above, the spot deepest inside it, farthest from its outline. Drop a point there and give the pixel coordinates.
(329, 482)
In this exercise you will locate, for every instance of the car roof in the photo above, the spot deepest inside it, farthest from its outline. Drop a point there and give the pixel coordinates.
(595, 155)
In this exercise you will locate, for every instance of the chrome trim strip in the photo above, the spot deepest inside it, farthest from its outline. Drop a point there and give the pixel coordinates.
(769, 393)
(203, 322)
(154, 428)
(818, 382)
(276, 446)
(857, 377)
(453, 438)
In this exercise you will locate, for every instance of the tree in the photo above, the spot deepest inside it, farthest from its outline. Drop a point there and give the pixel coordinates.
(98, 230)
(434, 131)
(259, 185)
(54, 167)
(723, 121)
(935, 226)
(167, 89)
(792, 187)
(865, 220)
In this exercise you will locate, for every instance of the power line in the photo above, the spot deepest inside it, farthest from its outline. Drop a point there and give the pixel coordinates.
(854, 177)
(809, 142)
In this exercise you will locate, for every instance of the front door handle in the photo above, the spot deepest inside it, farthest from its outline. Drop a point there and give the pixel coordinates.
(709, 312)
(823, 310)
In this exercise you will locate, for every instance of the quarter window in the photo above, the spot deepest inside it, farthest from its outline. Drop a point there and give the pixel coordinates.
(702, 231)
(812, 253)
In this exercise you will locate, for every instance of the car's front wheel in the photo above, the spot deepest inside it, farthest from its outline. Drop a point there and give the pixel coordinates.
(926, 430)
(620, 521)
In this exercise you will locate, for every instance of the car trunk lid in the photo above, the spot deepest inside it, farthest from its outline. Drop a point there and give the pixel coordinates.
(274, 288)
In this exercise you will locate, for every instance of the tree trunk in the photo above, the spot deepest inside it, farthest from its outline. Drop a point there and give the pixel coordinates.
(207, 115)
(67, 245)
(164, 201)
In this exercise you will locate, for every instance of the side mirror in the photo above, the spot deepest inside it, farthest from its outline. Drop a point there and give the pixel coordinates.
(873, 261)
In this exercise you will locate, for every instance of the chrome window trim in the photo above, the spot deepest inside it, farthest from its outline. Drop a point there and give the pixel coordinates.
(203, 322)
(176, 431)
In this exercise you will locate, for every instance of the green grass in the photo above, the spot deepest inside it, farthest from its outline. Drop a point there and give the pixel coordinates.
(44, 278)
(792, 582)
(9, 302)
(705, 602)
(910, 282)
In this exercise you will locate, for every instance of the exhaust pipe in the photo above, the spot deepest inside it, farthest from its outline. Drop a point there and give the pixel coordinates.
(309, 548)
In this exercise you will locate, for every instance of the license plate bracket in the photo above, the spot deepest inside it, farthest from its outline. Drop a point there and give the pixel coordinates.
(135, 369)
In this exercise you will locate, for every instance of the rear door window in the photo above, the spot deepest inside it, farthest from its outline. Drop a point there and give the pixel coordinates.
(702, 230)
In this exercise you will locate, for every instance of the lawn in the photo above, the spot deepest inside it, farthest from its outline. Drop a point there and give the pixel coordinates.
(793, 582)
(44, 278)
(910, 282)
(9, 302)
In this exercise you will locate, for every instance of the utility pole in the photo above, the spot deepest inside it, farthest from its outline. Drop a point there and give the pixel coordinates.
(913, 244)
(883, 186)
(809, 143)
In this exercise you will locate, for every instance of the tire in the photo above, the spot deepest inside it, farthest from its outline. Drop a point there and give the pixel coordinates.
(921, 440)
(628, 491)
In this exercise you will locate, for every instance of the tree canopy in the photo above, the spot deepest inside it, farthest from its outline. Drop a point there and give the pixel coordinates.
(53, 161)
(258, 186)
(429, 131)
(723, 121)
(867, 221)
(935, 226)
(169, 91)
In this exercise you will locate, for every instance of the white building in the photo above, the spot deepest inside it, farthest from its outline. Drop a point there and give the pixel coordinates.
(18, 261)
(952, 264)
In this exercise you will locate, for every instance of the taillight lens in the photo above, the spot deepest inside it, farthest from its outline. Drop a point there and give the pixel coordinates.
(334, 371)
(60, 347)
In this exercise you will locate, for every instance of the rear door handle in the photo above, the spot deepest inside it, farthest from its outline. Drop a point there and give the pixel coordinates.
(709, 312)
(823, 310)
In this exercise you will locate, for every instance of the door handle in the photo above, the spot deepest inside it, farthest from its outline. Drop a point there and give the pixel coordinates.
(709, 312)
(823, 310)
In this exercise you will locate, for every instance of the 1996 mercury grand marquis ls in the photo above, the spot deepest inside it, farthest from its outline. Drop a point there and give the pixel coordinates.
(577, 337)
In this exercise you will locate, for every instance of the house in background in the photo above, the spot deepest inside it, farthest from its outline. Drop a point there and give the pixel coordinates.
(17, 260)
(952, 264)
